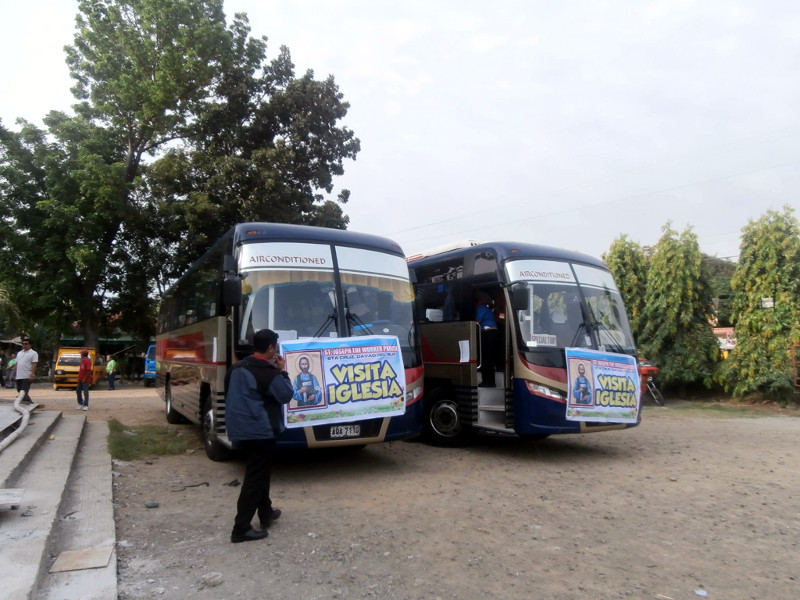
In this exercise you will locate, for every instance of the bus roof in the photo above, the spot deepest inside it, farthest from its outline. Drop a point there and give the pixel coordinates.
(511, 250)
(245, 232)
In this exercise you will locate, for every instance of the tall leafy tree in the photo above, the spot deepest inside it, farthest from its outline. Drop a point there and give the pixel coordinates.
(263, 148)
(177, 115)
(57, 189)
(676, 332)
(769, 267)
(8, 311)
(720, 271)
(628, 263)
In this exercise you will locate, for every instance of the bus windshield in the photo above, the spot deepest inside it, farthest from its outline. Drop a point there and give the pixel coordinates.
(295, 307)
(570, 306)
(302, 302)
(378, 296)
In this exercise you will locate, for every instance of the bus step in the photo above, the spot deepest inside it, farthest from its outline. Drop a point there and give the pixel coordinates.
(491, 419)
(492, 398)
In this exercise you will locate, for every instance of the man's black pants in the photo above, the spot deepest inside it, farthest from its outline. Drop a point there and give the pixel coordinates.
(24, 385)
(488, 355)
(254, 495)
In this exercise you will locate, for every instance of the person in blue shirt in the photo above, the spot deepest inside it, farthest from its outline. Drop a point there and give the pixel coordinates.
(488, 326)
(258, 387)
(307, 390)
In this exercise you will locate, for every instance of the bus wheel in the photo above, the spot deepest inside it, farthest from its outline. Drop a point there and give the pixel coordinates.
(443, 425)
(173, 416)
(215, 449)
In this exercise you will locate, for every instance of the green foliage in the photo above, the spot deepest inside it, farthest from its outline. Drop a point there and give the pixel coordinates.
(769, 267)
(628, 264)
(60, 192)
(720, 272)
(130, 443)
(260, 150)
(676, 333)
(92, 228)
(9, 313)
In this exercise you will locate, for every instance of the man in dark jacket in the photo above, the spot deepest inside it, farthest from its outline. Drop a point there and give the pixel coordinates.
(258, 386)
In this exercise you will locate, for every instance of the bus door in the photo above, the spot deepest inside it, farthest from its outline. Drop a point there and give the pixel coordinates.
(495, 405)
(450, 356)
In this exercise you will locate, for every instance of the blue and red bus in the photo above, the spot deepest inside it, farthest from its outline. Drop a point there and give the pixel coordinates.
(304, 283)
(552, 308)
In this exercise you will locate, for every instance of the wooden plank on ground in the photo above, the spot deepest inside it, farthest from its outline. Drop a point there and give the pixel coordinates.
(76, 560)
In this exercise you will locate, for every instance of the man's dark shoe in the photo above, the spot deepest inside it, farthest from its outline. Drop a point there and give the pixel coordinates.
(274, 516)
(250, 535)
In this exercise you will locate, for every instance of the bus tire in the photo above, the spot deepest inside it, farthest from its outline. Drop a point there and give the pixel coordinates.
(215, 449)
(148, 383)
(442, 424)
(173, 416)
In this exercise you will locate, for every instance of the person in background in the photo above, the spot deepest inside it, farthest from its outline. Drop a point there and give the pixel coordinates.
(488, 326)
(258, 386)
(111, 372)
(2, 369)
(10, 369)
(27, 360)
(84, 380)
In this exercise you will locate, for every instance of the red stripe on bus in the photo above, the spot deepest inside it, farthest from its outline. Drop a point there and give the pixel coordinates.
(552, 373)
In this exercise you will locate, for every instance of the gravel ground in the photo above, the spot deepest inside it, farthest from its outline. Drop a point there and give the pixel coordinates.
(686, 505)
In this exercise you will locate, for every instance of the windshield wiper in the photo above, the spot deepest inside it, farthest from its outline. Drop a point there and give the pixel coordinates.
(330, 319)
(581, 327)
(359, 324)
(614, 346)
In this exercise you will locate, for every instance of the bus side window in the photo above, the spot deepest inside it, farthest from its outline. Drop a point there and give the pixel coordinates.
(436, 302)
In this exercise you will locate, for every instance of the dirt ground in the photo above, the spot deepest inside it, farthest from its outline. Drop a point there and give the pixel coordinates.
(686, 505)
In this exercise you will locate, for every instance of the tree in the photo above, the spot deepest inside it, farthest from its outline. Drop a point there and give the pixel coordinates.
(9, 313)
(259, 150)
(769, 267)
(627, 261)
(60, 192)
(92, 224)
(676, 332)
(720, 272)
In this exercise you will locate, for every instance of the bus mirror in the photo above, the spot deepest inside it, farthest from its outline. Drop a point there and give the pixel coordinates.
(232, 290)
(519, 296)
(228, 264)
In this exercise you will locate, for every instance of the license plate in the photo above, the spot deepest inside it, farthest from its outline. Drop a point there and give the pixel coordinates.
(345, 431)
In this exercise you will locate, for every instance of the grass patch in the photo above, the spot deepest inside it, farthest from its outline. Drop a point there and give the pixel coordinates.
(130, 443)
(731, 409)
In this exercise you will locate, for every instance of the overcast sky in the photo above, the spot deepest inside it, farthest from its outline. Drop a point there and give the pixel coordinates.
(559, 123)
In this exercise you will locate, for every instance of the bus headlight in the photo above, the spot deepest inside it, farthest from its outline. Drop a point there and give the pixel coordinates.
(59, 371)
(412, 395)
(543, 390)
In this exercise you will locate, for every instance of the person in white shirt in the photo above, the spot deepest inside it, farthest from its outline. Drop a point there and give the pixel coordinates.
(27, 359)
